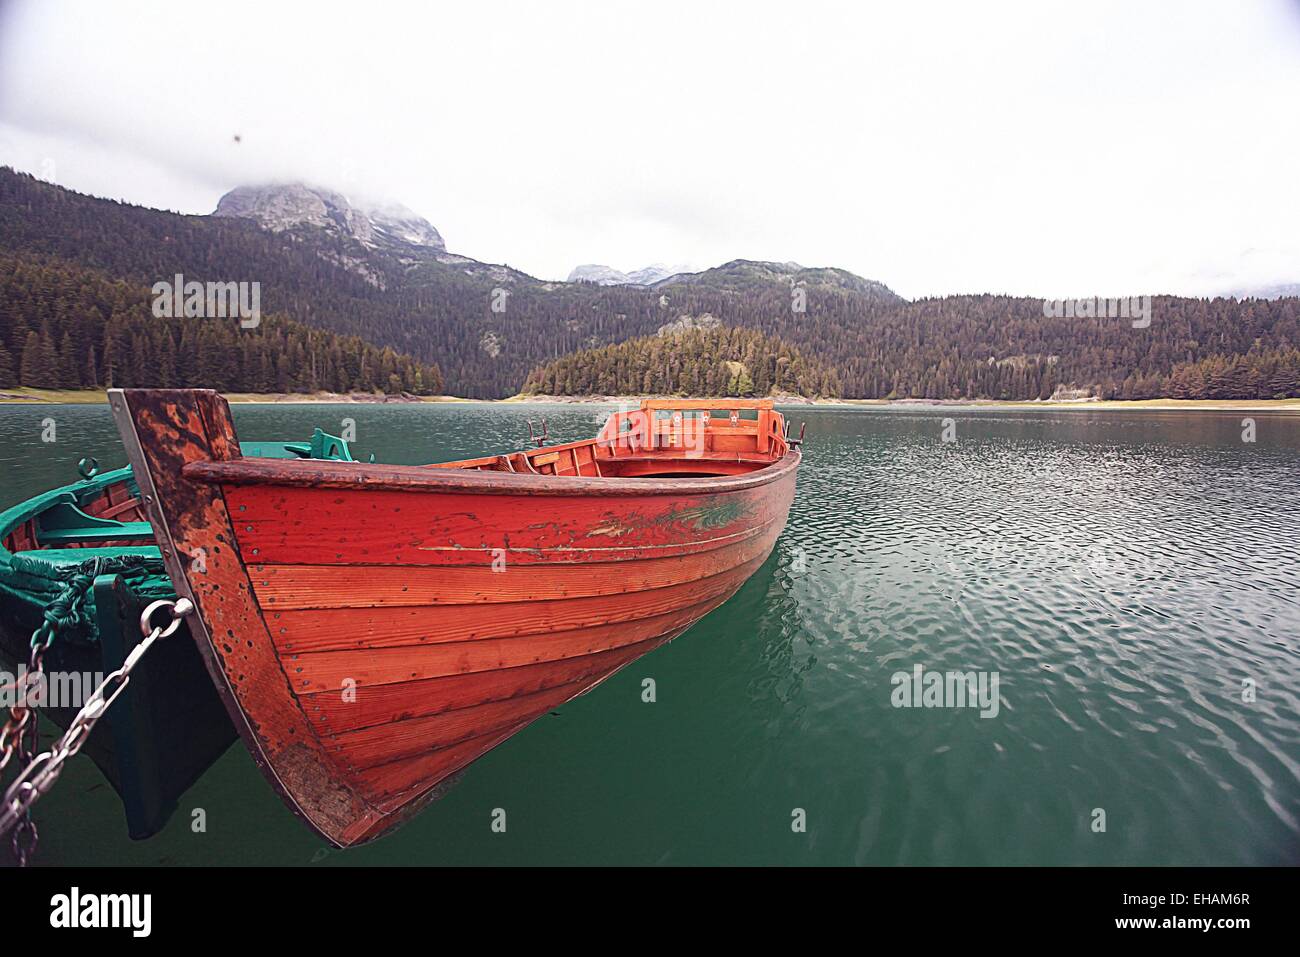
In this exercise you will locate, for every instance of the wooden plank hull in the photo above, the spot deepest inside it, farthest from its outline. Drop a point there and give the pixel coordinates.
(374, 629)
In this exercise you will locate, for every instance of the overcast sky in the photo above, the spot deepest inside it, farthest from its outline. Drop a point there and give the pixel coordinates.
(1041, 148)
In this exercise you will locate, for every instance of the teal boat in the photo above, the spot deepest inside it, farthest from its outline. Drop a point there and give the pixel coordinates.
(78, 567)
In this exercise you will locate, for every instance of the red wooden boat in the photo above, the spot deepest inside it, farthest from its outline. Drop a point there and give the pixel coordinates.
(374, 628)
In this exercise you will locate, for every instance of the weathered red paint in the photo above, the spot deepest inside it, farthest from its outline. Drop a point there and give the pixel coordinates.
(374, 628)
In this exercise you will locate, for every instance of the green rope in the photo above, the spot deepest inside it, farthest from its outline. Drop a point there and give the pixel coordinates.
(67, 609)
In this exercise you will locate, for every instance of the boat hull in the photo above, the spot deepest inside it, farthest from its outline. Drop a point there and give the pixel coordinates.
(374, 629)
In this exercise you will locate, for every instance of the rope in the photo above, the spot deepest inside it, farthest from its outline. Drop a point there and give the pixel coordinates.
(67, 609)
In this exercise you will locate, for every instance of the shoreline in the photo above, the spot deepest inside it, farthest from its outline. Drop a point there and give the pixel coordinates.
(26, 396)
(1287, 406)
(99, 396)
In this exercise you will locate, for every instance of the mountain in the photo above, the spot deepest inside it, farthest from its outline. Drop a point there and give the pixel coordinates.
(655, 272)
(608, 276)
(282, 207)
(486, 326)
(1265, 291)
(600, 275)
(741, 275)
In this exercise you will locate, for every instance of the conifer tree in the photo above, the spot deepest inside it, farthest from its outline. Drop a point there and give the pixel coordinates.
(8, 379)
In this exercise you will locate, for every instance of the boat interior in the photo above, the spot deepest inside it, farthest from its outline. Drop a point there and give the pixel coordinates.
(102, 512)
(663, 438)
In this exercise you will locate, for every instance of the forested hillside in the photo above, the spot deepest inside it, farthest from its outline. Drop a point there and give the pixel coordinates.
(1003, 348)
(65, 326)
(438, 307)
(704, 362)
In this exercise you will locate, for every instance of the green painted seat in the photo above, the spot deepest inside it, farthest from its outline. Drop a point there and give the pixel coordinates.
(64, 523)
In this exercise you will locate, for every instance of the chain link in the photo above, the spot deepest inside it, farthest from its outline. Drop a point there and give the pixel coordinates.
(41, 771)
(25, 836)
(21, 723)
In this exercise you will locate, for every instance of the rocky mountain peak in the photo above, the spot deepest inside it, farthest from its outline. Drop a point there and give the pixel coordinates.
(608, 276)
(284, 206)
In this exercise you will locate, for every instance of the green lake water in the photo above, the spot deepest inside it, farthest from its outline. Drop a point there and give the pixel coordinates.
(1126, 576)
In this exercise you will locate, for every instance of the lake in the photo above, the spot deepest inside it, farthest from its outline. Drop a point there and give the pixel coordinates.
(1130, 581)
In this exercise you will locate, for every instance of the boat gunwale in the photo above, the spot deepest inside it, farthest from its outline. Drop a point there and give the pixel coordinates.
(423, 478)
(28, 508)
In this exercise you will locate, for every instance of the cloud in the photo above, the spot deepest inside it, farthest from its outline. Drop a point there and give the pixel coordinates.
(1043, 149)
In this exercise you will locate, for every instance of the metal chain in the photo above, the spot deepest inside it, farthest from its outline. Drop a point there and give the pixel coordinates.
(25, 834)
(22, 720)
(66, 610)
(42, 770)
